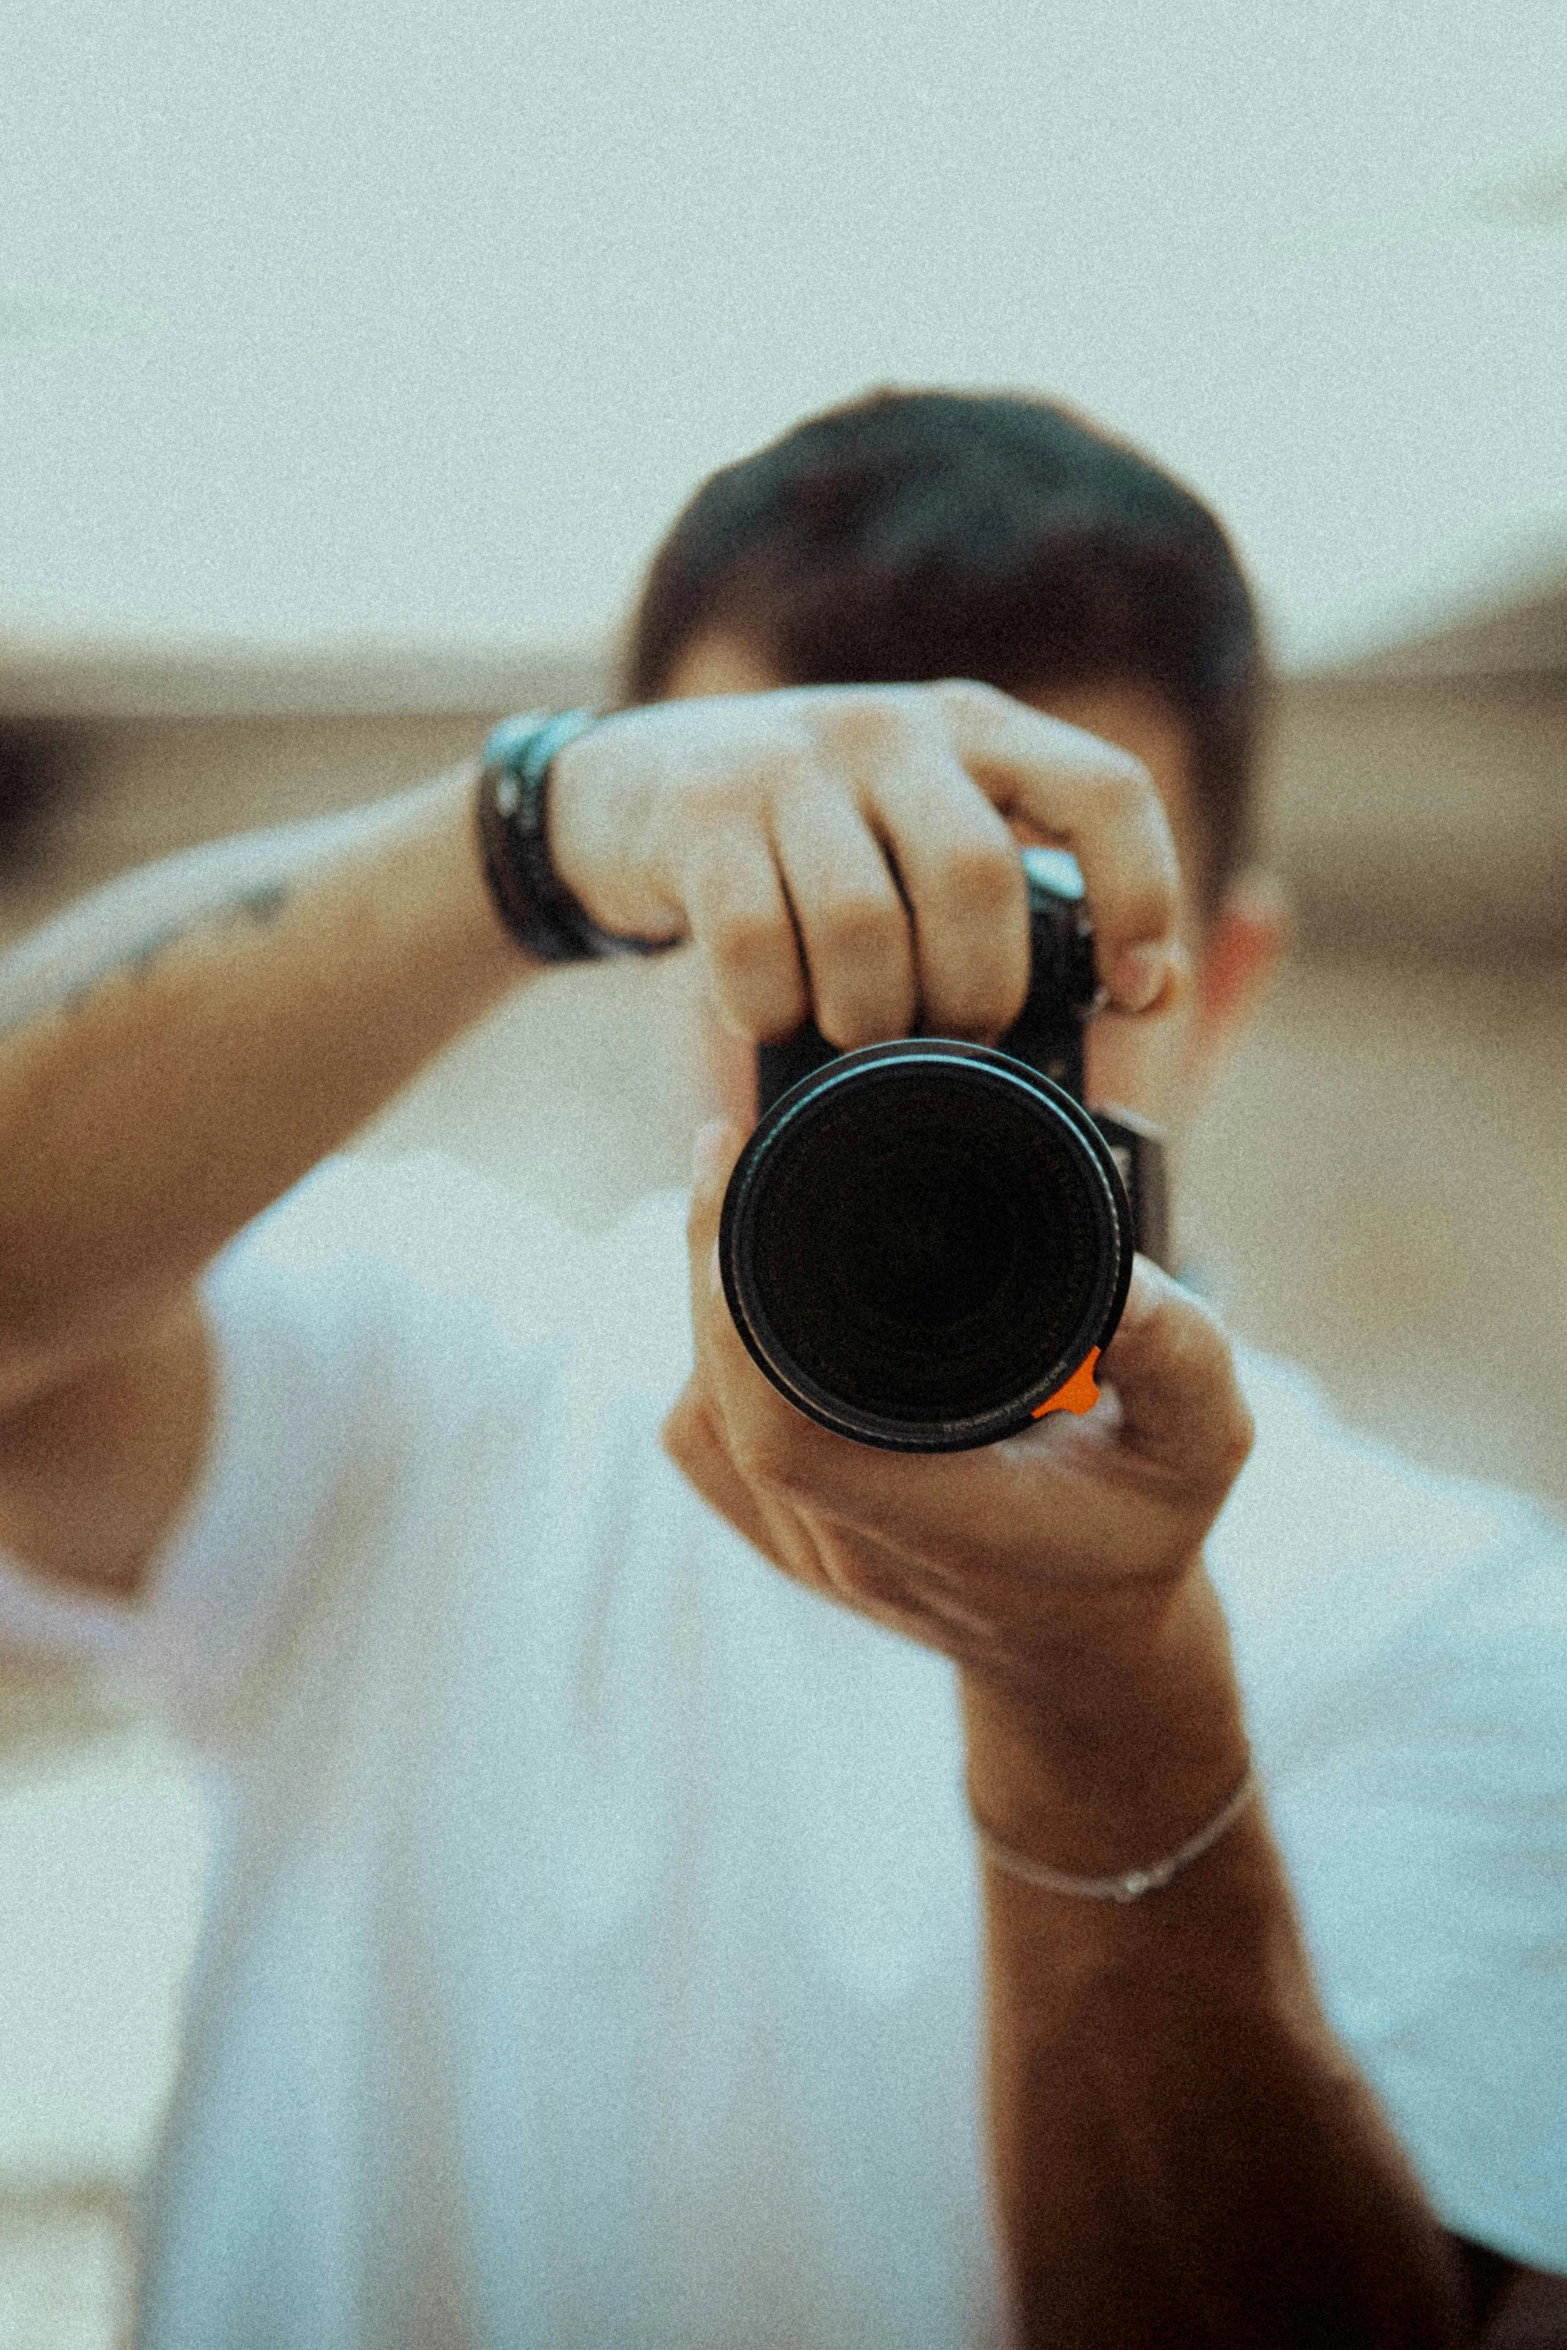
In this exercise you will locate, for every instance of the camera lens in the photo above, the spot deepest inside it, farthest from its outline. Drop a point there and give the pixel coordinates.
(922, 1241)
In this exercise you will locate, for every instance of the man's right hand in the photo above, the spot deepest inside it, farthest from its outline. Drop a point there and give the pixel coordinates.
(850, 852)
(844, 851)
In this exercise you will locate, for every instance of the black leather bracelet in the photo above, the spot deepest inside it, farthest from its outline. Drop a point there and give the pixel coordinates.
(511, 805)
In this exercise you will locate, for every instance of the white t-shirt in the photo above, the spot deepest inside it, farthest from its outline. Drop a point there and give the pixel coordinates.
(593, 1958)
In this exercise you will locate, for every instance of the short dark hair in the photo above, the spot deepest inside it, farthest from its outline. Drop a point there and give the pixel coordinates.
(926, 534)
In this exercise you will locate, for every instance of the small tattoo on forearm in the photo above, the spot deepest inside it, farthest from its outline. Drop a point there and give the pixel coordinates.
(266, 900)
(142, 957)
(262, 902)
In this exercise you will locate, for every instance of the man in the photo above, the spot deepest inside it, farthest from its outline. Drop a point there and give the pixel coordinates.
(600, 1952)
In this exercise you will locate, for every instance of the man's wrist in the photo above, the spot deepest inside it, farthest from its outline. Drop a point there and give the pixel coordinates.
(1120, 1751)
(538, 907)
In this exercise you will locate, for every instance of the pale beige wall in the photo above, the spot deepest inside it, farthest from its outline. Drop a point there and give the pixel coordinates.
(139, 788)
(1429, 814)
(1380, 1192)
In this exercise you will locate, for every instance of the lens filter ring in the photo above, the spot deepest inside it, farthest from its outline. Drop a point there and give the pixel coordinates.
(922, 1241)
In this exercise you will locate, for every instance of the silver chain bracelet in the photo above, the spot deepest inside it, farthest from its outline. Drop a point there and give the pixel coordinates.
(1131, 1884)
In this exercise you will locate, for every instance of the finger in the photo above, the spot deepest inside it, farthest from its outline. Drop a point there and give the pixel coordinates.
(1180, 1403)
(740, 916)
(963, 877)
(693, 1440)
(1097, 800)
(853, 924)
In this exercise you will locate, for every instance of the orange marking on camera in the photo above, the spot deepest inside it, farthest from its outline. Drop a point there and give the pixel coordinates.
(1079, 1394)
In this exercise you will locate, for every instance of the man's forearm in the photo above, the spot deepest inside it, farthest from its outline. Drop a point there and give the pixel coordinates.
(1183, 2153)
(162, 1104)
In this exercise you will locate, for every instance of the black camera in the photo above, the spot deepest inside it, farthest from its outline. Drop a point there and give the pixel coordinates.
(926, 1244)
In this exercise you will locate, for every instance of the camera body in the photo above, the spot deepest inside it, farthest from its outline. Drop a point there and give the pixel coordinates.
(925, 1242)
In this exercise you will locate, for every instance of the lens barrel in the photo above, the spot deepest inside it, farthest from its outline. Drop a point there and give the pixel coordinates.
(922, 1241)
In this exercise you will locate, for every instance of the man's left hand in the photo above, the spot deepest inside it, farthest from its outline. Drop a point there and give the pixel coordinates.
(1007, 1557)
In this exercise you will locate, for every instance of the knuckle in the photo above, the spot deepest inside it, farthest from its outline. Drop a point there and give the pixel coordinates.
(1120, 790)
(1178, 980)
(874, 729)
(981, 1019)
(968, 700)
(850, 1017)
(693, 1437)
(1146, 901)
(781, 1020)
(708, 807)
(984, 881)
(767, 1017)
(862, 970)
(744, 942)
(849, 1026)
(756, 977)
(1120, 774)
(978, 997)
(863, 926)
(787, 770)
(1146, 918)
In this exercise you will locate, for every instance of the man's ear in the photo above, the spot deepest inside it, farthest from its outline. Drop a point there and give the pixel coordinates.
(1242, 948)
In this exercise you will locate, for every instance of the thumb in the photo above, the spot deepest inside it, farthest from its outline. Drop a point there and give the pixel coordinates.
(1173, 1373)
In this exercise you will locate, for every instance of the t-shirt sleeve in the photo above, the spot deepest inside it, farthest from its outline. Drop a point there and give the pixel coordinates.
(344, 1324)
(1401, 1640)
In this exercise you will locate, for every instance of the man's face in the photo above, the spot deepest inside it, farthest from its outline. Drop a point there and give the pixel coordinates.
(1160, 1066)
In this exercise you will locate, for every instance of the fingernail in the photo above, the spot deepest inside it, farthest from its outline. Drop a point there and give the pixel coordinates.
(707, 1150)
(1139, 975)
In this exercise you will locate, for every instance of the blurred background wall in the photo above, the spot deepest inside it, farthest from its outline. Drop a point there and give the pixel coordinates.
(351, 365)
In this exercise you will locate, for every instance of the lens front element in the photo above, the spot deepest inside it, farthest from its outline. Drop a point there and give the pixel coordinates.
(922, 1241)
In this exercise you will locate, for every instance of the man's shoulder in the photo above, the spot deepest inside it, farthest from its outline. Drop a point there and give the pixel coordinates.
(1326, 1485)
